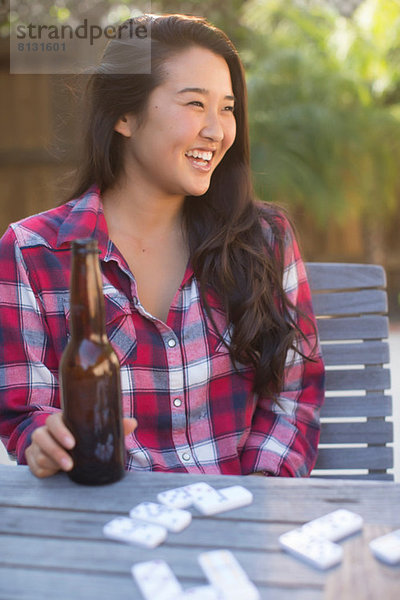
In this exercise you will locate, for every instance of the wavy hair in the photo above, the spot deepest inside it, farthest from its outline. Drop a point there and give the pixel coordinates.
(230, 254)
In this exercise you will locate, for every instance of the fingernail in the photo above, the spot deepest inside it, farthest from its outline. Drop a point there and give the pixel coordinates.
(69, 442)
(66, 464)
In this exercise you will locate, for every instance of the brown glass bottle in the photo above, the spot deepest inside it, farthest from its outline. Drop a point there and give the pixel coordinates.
(89, 372)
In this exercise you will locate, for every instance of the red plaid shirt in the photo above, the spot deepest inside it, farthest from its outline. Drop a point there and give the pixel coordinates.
(195, 413)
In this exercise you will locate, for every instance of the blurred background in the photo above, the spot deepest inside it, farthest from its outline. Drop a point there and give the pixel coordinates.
(324, 93)
(324, 96)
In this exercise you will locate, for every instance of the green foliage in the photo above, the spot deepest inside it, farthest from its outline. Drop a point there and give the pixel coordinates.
(222, 13)
(324, 101)
(323, 94)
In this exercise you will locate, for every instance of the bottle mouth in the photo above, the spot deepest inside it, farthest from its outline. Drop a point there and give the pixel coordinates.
(84, 245)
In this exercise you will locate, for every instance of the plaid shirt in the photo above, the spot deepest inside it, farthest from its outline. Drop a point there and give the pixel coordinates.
(195, 413)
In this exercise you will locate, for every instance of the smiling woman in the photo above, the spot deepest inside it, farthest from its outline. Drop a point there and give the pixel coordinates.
(207, 302)
(159, 152)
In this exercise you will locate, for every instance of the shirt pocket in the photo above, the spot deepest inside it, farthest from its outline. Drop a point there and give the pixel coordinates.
(119, 325)
(219, 333)
(221, 344)
(219, 360)
(221, 363)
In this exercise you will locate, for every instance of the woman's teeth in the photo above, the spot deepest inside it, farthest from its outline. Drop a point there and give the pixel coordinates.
(198, 154)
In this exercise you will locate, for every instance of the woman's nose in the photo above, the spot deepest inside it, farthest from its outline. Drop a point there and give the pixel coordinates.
(212, 128)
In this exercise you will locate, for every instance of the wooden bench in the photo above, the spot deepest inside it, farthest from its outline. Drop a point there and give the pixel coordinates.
(350, 303)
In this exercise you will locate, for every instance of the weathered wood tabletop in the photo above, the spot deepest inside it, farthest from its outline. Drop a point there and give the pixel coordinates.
(52, 544)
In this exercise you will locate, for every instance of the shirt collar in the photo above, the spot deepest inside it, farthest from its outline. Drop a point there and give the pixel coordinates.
(86, 220)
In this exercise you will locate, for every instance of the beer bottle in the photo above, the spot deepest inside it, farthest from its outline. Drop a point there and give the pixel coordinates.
(89, 373)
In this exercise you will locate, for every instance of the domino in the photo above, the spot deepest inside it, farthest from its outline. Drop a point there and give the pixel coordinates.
(335, 526)
(387, 547)
(227, 576)
(200, 490)
(225, 499)
(205, 498)
(315, 550)
(176, 498)
(156, 580)
(128, 530)
(171, 518)
(183, 497)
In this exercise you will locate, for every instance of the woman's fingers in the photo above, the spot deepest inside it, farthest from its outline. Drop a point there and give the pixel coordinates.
(59, 431)
(51, 448)
(47, 453)
(40, 464)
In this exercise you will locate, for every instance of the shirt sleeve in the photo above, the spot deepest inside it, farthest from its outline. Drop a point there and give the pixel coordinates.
(284, 436)
(28, 389)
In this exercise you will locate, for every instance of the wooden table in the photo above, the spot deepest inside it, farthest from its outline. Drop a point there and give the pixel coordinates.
(52, 546)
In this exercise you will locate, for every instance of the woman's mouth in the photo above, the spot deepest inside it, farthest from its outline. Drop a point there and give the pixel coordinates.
(200, 159)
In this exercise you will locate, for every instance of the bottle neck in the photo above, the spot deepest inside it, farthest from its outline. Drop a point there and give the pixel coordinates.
(86, 297)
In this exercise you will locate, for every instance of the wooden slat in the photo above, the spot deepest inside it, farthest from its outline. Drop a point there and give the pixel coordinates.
(87, 525)
(36, 584)
(29, 584)
(275, 499)
(355, 458)
(350, 303)
(113, 559)
(365, 327)
(371, 379)
(337, 276)
(368, 432)
(376, 405)
(364, 476)
(359, 353)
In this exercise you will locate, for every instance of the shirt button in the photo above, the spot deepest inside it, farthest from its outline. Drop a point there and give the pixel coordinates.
(186, 456)
(177, 402)
(171, 343)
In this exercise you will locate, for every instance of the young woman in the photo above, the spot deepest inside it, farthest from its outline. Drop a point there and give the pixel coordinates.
(207, 302)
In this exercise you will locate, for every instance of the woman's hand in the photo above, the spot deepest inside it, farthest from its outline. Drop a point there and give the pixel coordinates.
(48, 454)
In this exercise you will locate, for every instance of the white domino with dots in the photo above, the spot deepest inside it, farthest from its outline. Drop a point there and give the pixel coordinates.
(185, 496)
(227, 576)
(156, 580)
(387, 547)
(173, 519)
(314, 541)
(315, 550)
(176, 497)
(206, 499)
(132, 531)
(335, 526)
(226, 499)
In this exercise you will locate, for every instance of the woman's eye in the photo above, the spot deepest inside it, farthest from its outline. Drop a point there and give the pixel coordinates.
(201, 105)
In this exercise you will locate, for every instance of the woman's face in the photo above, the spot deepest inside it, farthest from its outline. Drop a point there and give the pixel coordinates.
(188, 127)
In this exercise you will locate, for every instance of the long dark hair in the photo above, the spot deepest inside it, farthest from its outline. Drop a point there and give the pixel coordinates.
(230, 254)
